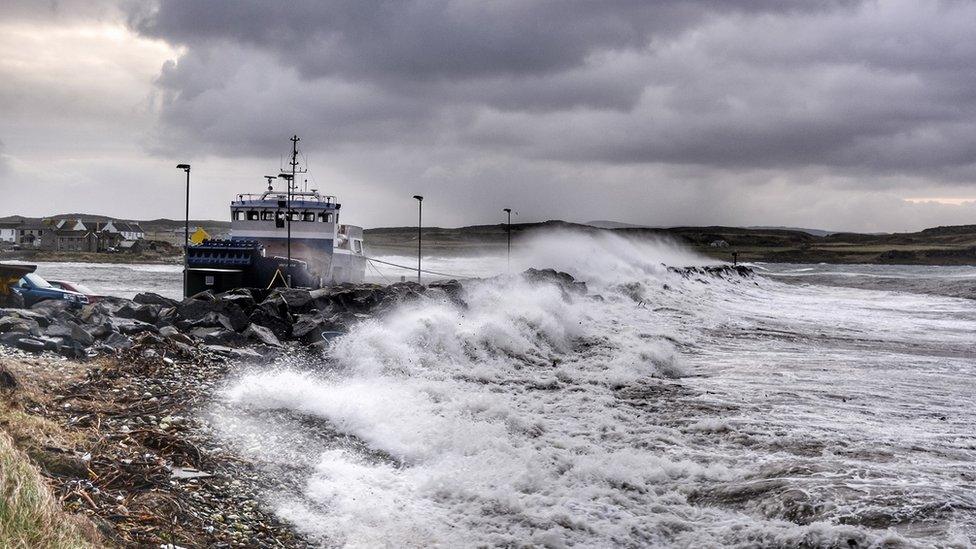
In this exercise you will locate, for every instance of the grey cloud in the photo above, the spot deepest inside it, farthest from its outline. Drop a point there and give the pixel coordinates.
(435, 39)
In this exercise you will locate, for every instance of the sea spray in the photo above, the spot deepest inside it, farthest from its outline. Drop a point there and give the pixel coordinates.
(529, 414)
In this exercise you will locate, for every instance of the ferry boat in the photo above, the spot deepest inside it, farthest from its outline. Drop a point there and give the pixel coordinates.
(289, 237)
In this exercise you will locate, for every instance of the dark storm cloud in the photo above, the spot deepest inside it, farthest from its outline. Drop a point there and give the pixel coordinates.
(870, 89)
(439, 39)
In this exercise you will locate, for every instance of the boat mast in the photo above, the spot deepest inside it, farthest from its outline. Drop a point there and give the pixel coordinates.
(291, 182)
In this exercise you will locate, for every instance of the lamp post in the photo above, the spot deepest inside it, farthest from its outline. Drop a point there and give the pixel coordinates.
(288, 177)
(508, 231)
(186, 226)
(420, 234)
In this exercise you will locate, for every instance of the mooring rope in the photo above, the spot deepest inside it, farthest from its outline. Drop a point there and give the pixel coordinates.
(414, 269)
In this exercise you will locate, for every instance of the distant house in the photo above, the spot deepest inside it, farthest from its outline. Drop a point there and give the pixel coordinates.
(8, 231)
(128, 230)
(69, 240)
(29, 233)
(719, 244)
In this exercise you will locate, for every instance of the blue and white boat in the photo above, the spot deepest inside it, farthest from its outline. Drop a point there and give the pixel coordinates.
(287, 237)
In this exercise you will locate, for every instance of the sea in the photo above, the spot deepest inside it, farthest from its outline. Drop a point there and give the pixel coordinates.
(802, 406)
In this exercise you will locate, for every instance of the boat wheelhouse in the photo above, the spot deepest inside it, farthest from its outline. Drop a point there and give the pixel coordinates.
(279, 237)
(332, 251)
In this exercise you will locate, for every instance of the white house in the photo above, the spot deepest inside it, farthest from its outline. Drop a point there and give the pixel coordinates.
(129, 231)
(8, 232)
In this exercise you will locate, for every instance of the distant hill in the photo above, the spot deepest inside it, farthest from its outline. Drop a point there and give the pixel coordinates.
(605, 224)
(147, 225)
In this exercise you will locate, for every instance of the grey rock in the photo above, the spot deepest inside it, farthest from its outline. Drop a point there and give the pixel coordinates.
(30, 344)
(149, 298)
(18, 325)
(81, 336)
(39, 317)
(262, 334)
(218, 336)
(193, 309)
(51, 307)
(144, 313)
(118, 341)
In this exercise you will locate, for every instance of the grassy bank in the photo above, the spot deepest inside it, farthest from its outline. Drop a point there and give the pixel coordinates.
(30, 517)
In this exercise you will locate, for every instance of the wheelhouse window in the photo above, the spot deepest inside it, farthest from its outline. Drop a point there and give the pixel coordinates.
(268, 215)
(295, 216)
(239, 215)
(253, 215)
(308, 216)
(325, 217)
(357, 246)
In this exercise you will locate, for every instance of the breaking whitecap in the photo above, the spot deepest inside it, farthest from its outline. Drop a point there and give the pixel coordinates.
(660, 408)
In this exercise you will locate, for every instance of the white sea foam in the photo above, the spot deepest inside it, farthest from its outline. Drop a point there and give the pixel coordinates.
(657, 410)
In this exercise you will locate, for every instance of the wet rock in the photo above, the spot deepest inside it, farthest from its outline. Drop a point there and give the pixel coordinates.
(81, 335)
(262, 334)
(51, 307)
(231, 352)
(101, 330)
(242, 297)
(16, 324)
(295, 299)
(565, 281)
(218, 336)
(27, 314)
(173, 334)
(144, 313)
(95, 313)
(194, 309)
(118, 341)
(271, 320)
(131, 326)
(309, 328)
(149, 298)
(30, 344)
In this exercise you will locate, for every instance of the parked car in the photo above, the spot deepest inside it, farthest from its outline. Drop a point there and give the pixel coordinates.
(78, 288)
(35, 289)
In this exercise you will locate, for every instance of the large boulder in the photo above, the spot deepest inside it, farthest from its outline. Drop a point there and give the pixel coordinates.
(270, 318)
(194, 309)
(16, 324)
(118, 341)
(28, 314)
(295, 300)
(149, 298)
(51, 307)
(564, 281)
(144, 313)
(218, 336)
(131, 326)
(261, 334)
(242, 297)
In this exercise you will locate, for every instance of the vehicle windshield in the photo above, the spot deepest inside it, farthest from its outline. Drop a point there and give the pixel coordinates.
(82, 289)
(36, 281)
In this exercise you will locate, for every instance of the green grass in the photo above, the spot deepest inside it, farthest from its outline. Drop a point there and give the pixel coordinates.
(29, 515)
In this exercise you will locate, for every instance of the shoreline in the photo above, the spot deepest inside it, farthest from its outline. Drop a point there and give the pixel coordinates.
(125, 448)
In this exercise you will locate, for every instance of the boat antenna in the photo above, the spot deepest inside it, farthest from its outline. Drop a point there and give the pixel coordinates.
(291, 183)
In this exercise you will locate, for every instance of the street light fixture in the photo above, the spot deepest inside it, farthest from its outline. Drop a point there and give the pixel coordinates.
(420, 234)
(288, 177)
(186, 227)
(508, 230)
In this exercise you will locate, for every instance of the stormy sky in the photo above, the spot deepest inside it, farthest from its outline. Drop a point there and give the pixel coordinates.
(844, 115)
